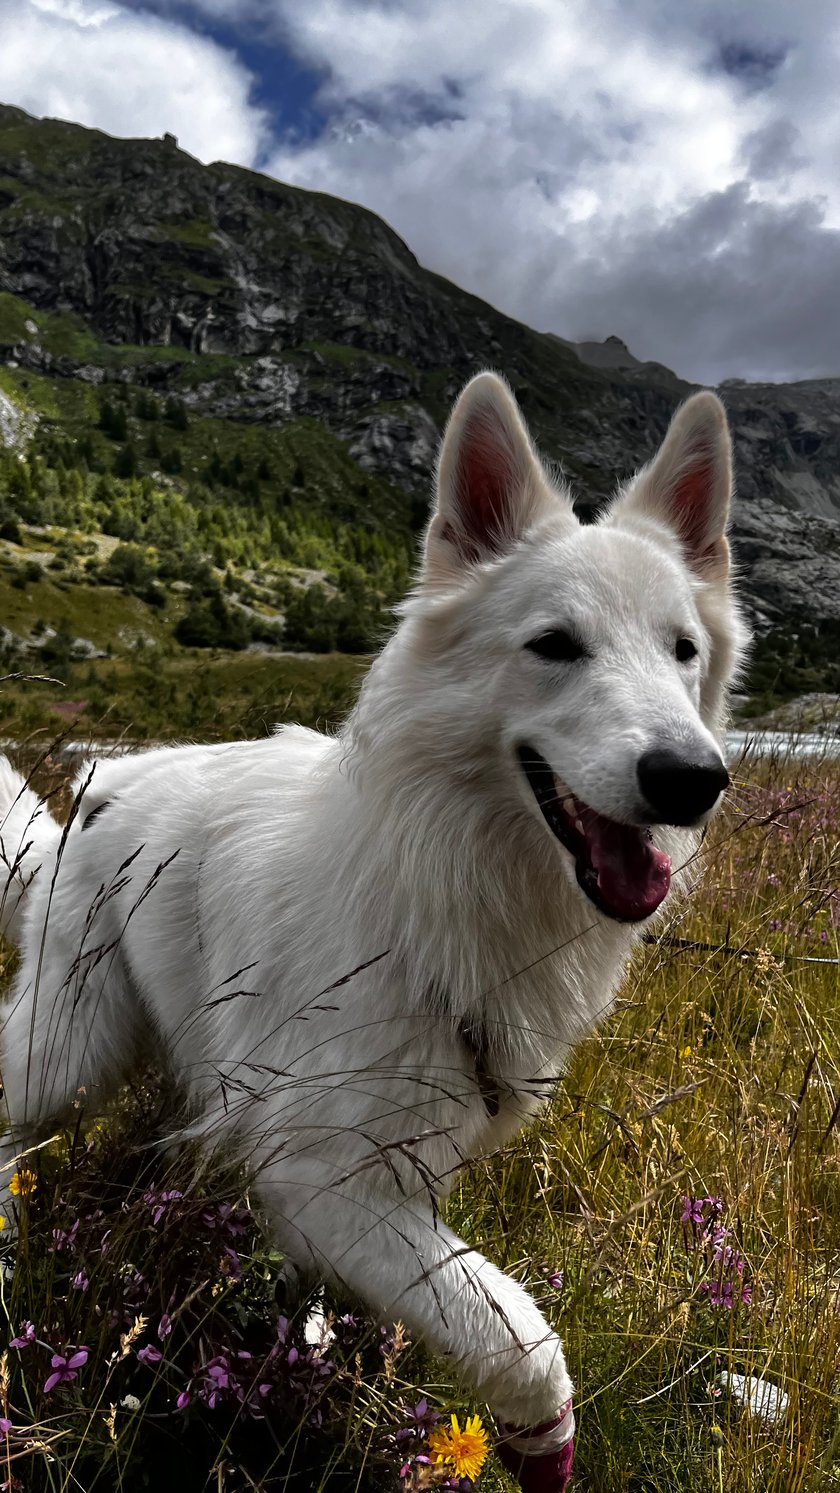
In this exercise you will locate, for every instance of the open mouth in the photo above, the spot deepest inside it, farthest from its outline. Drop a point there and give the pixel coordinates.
(617, 865)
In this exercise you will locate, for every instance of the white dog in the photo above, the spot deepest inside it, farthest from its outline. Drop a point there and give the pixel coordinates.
(367, 955)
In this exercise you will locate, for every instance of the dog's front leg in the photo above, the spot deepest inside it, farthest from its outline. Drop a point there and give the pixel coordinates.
(394, 1254)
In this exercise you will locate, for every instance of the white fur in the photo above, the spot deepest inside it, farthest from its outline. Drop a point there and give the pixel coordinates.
(268, 870)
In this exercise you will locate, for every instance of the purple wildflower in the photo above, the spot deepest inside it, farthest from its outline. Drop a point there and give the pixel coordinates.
(225, 1218)
(164, 1326)
(65, 1368)
(64, 1238)
(218, 1375)
(422, 1417)
(150, 1355)
(80, 1281)
(230, 1264)
(183, 1399)
(711, 1237)
(25, 1336)
(160, 1201)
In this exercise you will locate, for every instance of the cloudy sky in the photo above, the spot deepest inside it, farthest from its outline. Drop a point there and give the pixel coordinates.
(666, 170)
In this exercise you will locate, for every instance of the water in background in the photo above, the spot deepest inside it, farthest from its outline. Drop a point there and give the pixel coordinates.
(757, 743)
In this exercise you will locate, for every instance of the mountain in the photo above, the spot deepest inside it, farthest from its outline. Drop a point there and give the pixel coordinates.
(257, 374)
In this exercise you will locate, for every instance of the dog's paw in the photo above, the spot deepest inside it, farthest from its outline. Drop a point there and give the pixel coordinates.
(540, 1459)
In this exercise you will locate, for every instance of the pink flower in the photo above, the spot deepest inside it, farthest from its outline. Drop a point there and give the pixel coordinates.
(25, 1336)
(159, 1202)
(65, 1368)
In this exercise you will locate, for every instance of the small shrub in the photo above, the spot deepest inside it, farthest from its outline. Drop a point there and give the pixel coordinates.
(28, 575)
(212, 624)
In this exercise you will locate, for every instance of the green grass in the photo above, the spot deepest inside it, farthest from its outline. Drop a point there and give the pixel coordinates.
(65, 400)
(107, 617)
(150, 694)
(59, 332)
(196, 234)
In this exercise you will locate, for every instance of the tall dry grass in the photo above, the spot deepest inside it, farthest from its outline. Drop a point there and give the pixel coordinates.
(677, 1212)
(718, 1077)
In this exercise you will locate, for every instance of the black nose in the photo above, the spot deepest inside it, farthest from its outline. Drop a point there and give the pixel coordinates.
(679, 789)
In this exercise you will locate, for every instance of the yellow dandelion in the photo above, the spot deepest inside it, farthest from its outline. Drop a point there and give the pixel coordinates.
(2, 1223)
(24, 1183)
(465, 1451)
(685, 1052)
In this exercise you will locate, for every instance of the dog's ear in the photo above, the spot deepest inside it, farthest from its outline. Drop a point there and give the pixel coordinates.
(688, 485)
(491, 484)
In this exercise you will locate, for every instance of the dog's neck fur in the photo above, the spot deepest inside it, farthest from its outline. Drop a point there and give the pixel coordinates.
(486, 923)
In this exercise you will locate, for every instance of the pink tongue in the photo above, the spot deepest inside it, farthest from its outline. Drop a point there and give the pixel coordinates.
(633, 876)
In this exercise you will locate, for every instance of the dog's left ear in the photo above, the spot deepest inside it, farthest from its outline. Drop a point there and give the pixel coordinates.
(688, 485)
(491, 484)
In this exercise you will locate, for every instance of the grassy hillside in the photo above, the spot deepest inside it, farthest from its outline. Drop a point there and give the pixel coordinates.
(130, 529)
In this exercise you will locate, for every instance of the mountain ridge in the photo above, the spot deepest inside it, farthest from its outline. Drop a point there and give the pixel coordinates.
(128, 265)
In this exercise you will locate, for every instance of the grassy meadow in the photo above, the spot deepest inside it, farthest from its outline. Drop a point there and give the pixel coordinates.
(676, 1212)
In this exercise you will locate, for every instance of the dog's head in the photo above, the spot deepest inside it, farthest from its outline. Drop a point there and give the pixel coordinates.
(589, 664)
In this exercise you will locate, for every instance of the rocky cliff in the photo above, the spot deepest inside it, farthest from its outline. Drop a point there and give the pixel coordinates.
(127, 261)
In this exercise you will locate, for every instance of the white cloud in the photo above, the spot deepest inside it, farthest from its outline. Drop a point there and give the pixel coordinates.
(550, 157)
(82, 12)
(663, 171)
(128, 74)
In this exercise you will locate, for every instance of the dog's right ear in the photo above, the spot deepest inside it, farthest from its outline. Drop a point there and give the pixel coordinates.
(687, 486)
(491, 484)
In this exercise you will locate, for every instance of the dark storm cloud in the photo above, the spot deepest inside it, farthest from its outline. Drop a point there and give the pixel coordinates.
(773, 152)
(746, 286)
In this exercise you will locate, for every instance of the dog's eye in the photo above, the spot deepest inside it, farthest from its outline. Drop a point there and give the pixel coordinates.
(557, 646)
(685, 650)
